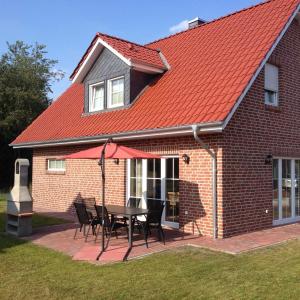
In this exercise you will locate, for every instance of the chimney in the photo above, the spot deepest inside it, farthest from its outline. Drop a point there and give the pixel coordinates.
(195, 22)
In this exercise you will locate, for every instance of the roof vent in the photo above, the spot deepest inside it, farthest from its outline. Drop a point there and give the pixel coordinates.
(195, 22)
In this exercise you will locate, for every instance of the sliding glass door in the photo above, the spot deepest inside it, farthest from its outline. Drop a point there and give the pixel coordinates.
(286, 192)
(156, 179)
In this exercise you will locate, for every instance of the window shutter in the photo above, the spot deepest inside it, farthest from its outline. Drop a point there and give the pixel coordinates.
(271, 78)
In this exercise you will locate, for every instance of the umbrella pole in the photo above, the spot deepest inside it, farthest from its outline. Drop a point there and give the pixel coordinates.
(103, 200)
(102, 164)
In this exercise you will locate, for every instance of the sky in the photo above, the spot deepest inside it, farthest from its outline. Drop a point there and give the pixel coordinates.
(67, 27)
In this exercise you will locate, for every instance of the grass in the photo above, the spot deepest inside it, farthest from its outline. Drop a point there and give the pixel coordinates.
(28, 271)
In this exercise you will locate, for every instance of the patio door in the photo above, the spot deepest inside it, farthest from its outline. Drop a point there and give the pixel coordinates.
(286, 191)
(156, 179)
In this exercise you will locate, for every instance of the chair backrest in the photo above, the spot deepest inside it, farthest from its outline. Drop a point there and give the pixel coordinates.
(133, 202)
(154, 204)
(89, 203)
(82, 214)
(156, 208)
(99, 209)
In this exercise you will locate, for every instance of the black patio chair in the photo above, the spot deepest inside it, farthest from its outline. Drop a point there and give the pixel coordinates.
(90, 206)
(85, 219)
(109, 225)
(153, 219)
(132, 202)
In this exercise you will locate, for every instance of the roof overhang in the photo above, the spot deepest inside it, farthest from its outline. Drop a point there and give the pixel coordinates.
(207, 128)
(93, 53)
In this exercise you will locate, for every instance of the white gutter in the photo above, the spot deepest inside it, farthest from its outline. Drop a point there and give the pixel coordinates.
(195, 129)
(143, 134)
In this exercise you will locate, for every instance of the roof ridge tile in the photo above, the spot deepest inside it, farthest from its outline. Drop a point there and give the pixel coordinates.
(210, 22)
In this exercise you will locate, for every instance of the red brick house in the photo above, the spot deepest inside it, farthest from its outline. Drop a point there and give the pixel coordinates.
(219, 102)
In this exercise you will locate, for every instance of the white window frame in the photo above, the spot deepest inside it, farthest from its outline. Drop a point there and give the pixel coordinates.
(55, 169)
(91, 93)
(271, 83)
(109, 92)
(293, 217)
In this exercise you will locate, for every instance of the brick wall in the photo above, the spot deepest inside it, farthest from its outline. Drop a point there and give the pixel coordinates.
(56, 192)
(256, 131)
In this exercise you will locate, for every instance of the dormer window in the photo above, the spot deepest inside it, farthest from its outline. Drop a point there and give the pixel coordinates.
(96, 97)
(271, 85)
(115, 92)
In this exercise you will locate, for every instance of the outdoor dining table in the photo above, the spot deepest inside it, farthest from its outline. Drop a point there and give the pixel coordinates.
(128, 212)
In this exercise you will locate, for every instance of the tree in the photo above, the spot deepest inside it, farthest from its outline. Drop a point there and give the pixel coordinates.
(26, 76)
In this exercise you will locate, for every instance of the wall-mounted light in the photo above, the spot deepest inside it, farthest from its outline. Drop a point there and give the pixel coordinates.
(186, 158)
(268, 159)
(116, 160)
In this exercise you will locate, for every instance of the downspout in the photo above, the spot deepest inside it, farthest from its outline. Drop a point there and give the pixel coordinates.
(214, 180)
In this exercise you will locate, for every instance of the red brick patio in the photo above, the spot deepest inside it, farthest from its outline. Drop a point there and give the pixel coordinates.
(60, 238)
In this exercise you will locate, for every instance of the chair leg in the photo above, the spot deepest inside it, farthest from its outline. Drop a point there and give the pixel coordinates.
(145, 229)
(162, 234)
(77, 230)
(97, 233)
(87, 234)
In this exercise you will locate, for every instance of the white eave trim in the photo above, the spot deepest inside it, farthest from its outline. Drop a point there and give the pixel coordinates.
(96, 50)
(237, 104)
(208, 128)
(145, 68)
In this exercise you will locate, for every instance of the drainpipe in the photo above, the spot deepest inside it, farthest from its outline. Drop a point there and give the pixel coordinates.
(214, 179)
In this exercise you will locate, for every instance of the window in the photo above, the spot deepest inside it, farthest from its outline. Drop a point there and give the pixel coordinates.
(135, 178)
(96, 97)
(271, 85)
(56, 165)
(154, 179)
(115, 92)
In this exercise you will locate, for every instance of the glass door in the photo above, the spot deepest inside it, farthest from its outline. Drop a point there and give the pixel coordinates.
(286, 192)
(156, 179)
(297, 188)
(172, 191)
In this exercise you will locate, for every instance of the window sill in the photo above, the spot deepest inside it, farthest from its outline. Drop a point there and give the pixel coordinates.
(55, 172)
(273, 108)
(106, 110)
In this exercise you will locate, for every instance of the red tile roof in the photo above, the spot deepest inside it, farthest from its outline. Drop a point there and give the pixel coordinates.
(211, 66)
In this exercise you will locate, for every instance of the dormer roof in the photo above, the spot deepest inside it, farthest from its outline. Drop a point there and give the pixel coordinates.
(139, 57)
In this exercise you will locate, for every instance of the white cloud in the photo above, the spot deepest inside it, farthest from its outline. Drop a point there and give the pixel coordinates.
(183, 25)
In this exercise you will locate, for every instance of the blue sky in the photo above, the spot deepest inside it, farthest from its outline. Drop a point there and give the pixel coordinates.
(67, 27)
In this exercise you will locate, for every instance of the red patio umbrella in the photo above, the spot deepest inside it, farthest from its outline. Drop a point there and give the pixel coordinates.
(109, 150)
(113, 151)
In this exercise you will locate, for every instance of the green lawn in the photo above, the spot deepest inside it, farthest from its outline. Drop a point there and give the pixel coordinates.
(31, 272)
